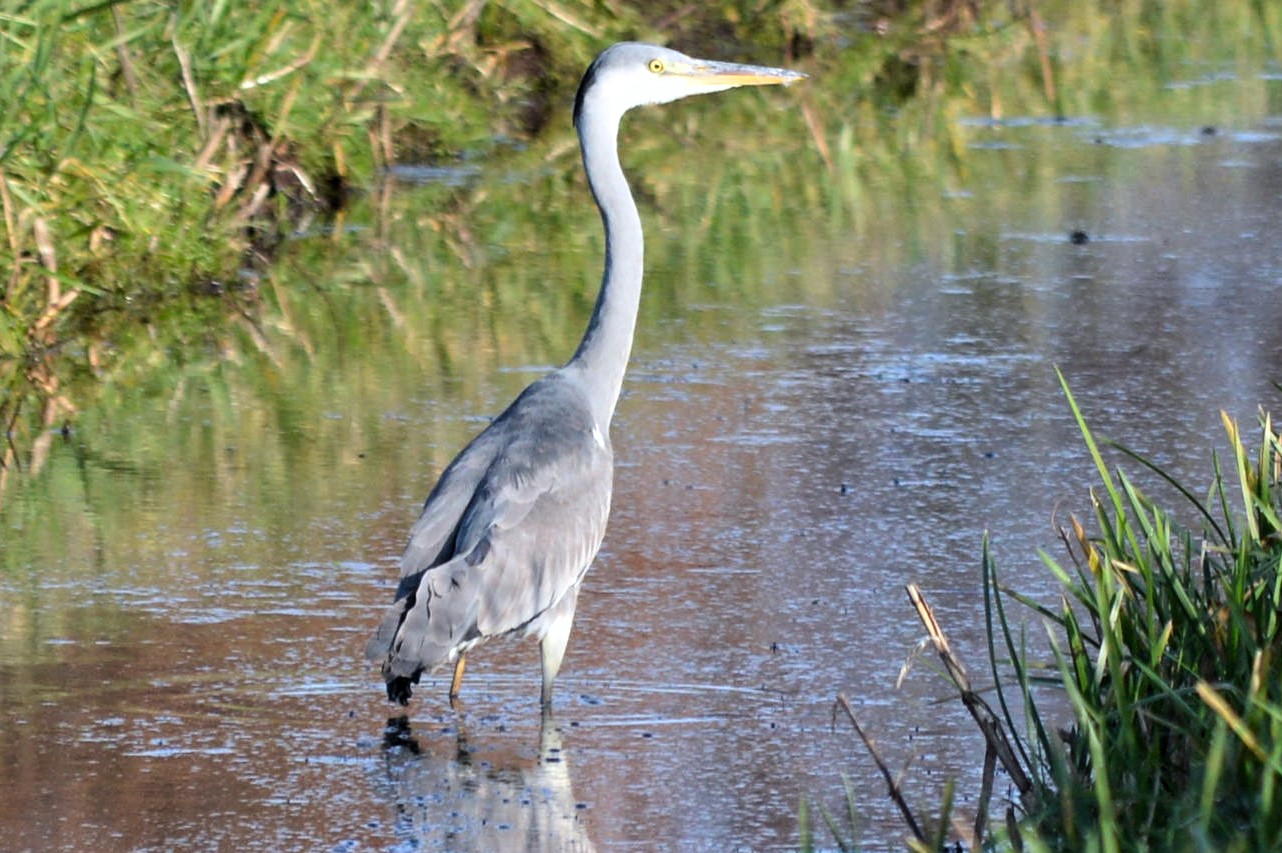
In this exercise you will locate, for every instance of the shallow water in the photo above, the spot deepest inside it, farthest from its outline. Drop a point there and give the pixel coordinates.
(187, 589)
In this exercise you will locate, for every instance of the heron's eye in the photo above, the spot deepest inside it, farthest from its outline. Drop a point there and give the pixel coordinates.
(656, 66)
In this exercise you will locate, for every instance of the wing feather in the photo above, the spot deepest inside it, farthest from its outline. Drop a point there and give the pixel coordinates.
(533, 520)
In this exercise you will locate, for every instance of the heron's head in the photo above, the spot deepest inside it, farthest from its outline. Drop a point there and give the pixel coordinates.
(630, 74)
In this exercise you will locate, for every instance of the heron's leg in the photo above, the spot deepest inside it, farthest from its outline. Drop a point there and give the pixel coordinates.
(555, 639)
(457, 681)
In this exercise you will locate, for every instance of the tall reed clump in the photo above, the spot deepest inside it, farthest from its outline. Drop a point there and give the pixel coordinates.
(1163, 644)
(1165, 641)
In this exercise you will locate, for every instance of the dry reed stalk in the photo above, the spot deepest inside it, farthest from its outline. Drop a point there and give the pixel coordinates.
(380, 131)
(55, 300)
(458, 28)
(48, 259)
(221, 125)
(817, 133)
(892, 784)
(559, 12)
(122, 56)
(11, 228)
(381, 140)
(189, 85)
(985, 797)
(286, 69)
(1038, 27)
(983, 715)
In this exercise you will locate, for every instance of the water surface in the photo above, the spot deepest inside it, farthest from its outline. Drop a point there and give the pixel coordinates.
(816, 414)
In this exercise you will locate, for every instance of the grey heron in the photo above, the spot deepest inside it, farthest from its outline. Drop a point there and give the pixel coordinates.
(514, 522)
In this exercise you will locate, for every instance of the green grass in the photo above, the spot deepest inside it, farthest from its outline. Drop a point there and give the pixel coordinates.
(1164, 644)
(155, 156)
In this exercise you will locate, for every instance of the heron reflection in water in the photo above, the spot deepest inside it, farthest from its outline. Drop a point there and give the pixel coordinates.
(514, 522)
(449, 795)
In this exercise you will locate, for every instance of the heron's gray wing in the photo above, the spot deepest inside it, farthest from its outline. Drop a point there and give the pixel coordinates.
(529, 541)
(526, 541)
(534, 522)
(432, 538)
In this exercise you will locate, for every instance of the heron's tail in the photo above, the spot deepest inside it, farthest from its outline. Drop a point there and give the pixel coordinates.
(431, 623)
(400, 687)
(380, 644)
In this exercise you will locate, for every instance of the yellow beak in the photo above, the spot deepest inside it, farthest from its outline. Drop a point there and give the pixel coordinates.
(734, 74)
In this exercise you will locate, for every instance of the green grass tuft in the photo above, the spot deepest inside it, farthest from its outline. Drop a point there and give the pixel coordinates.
(1164, 643)
(1163, 650)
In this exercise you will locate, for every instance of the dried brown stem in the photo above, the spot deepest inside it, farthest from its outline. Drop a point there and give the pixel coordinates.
(891, 784)
(11, 228)
(122, 55)
(1038, 26)
(817, 133)
(985, 794)
(983, 715)
(403, 12)
(189, 86)
(564, 15)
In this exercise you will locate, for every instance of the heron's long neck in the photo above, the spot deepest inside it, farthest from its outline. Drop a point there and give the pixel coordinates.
(602, 356)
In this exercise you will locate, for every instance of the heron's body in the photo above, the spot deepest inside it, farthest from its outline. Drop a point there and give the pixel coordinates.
(514, 522)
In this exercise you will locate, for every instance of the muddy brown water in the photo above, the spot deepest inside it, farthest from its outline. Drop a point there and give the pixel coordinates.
(180, 664)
